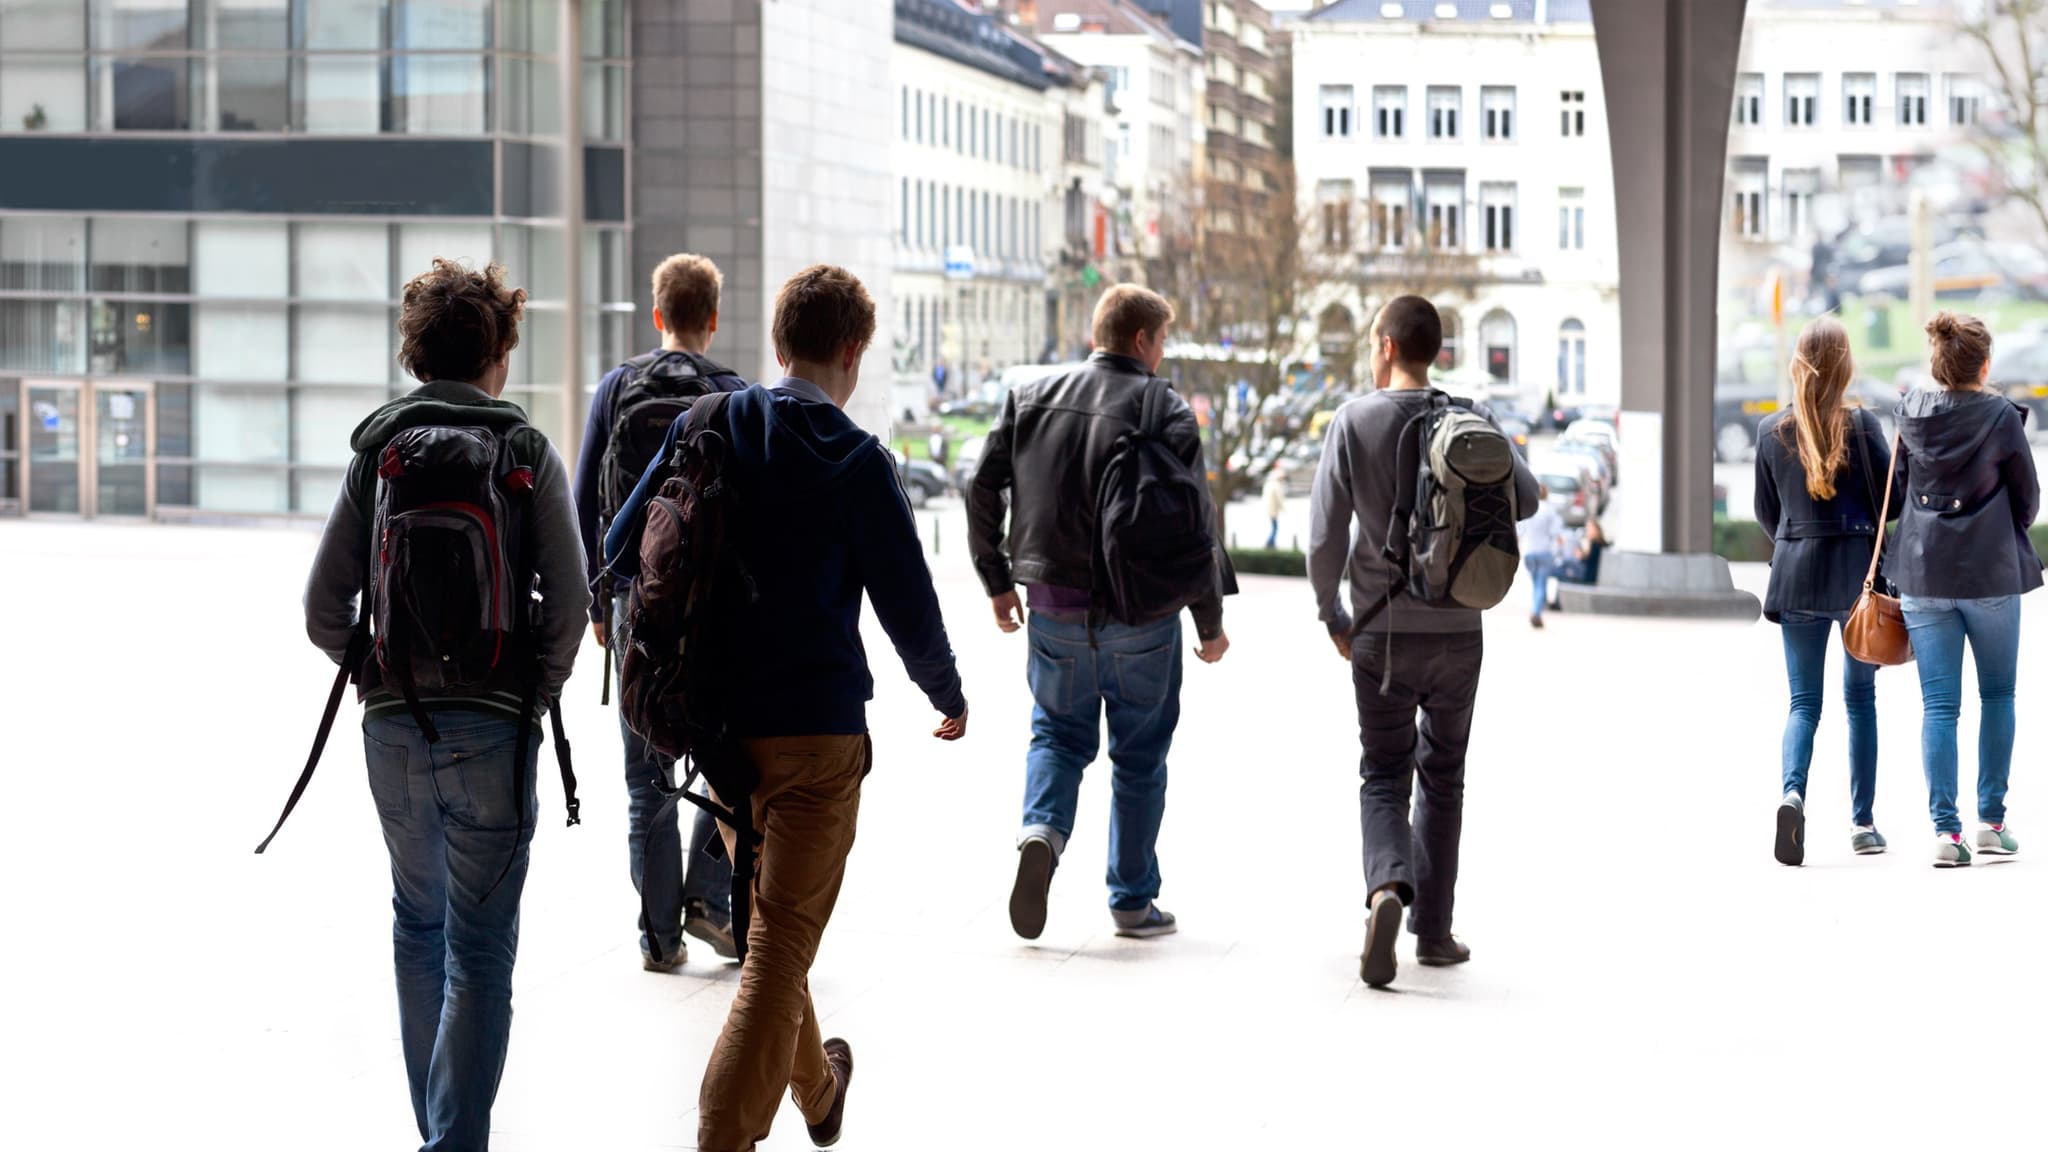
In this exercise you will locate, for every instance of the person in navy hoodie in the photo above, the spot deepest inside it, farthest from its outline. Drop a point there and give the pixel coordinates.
(684, 893)
(825, 520)
(1961, 562)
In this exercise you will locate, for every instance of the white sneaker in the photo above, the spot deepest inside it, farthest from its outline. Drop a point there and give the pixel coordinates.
(1996, 840)
(1950, 851)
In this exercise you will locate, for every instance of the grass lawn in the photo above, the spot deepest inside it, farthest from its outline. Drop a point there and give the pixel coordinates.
(1894, 343)
(959, 430)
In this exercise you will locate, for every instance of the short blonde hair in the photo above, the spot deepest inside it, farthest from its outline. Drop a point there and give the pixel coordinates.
(686, 288)
(1126, 310)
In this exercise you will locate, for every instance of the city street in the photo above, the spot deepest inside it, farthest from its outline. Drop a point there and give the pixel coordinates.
(1644, 974)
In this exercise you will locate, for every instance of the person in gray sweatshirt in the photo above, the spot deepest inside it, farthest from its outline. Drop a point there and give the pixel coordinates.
(1414, 659)
(454, 793)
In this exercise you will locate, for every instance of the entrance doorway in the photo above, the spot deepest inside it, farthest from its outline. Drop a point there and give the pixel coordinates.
(87, 447)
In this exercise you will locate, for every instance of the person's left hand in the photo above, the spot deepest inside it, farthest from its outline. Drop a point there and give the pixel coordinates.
(1213, 649)
(954, 728)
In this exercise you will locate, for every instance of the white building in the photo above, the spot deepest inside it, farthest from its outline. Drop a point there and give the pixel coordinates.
(1838, 103)
(1156, 84)
(977, 166)
(1460, 150)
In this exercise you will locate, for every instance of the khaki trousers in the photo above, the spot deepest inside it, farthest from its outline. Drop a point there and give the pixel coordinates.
(805, 810)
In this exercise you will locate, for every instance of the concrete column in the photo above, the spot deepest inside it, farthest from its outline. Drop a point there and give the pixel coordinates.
(1669, 71)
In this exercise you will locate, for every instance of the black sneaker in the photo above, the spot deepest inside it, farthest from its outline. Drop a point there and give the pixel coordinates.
(1441, 952)
(839, 1057)
(1791, 847)
(1034, 881)
(1382, 929)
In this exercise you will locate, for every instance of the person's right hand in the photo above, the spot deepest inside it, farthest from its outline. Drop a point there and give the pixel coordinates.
(597, 629)
(1343, 642)
(1009, 611)
(955, 726)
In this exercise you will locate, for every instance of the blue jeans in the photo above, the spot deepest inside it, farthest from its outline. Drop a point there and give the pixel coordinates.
(1541, 568)
(1133, 675)
(1939, 628)
(450, 825)
(654, 850)
(1273, 536)
(1806, 665)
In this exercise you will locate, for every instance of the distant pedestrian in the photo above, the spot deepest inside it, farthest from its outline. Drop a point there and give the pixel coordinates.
(1045, 464)
(1961, 563)
(824, 522)
(936, 447)
(444, 481)
(1417, 658)
(1581, 565)
(1543, 541)
(1820, 478)
(1276, 502)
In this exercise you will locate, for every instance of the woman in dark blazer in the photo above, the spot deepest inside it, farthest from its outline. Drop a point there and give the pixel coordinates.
(1962, 561)
(1820, 470)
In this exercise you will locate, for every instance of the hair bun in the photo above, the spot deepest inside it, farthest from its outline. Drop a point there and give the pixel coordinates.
(1943, 326)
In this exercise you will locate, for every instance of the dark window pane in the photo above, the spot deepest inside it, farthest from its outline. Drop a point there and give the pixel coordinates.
(255, 94)
(149, 95)
(341, 24)
(141, 338)
(157, 25)
(424, 25)
(257, 24)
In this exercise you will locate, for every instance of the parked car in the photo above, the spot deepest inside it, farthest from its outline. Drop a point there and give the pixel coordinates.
(1570, 483)
(1966, 268)
(1608, 414)
(1885, 244)
(923, 481)
(2020, 368)
(966, 460)
(1596, 464)
(1602, 435)
(1517, 431)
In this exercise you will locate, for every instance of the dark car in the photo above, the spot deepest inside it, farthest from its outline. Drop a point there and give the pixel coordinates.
(2019, 368)
(923, 481)
(1517, 431)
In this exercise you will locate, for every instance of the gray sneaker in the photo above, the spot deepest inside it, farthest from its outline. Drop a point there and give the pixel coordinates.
(1866, 840)
(1791, 846)
(1950, 851)
(1143, 923)
(1996, 840)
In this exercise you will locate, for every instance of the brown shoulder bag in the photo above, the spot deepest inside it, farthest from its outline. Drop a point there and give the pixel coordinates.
(1876, 630)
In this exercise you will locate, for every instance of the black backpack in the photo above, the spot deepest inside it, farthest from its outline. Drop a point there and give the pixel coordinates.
(672, 682)
(448, 600)
(660, 389)
(1155, 539)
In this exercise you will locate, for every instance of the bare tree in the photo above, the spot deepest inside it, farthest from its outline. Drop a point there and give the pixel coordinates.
(2012, 36)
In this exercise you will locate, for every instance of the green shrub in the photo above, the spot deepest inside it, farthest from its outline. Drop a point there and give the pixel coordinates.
(1269, 562)
(1743, 542)
(2040, 535)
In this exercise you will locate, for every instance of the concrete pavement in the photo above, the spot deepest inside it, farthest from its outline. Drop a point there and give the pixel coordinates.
(1644, 975)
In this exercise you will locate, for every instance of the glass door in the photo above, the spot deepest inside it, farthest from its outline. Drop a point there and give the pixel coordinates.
(89, 447)
(56, 446)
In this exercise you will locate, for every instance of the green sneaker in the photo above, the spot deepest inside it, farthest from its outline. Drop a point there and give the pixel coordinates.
(1995, 840)
(1950, 851)
(1866, 840)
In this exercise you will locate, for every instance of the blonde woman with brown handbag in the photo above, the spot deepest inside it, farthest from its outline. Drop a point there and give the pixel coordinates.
(1961, 562)
(1819, 470)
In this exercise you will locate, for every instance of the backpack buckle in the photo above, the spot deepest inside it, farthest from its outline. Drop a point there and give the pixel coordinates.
(519, 479)
(391, 464)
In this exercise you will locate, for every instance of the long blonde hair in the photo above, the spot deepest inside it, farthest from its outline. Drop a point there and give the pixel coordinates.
(1821, 371)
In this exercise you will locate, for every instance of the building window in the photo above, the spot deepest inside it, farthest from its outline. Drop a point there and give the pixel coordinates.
(1573, 117)
(903, 205)
(1802, 100)
(1447, 356)
(1497, 337)
(1390, 112)
(1800, 187)
(1749, 100)
(1335, 197)
(1859, 99)
(1390, 204)
(1336, 103)
(1913, 97)
(1497, 201)
(1965, 101)
(1571, 358)
(1497, 105)
(1748, 208)
(1446, 206)
(1571, 219)
(906, 112)
(1444, 105)
(42, 93)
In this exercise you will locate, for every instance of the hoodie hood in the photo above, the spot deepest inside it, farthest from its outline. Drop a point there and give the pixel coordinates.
(789, 445)
(1947, 429)
(437, 402)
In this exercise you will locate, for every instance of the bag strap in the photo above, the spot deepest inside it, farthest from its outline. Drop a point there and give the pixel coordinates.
(1152, 409)
(1891, 473)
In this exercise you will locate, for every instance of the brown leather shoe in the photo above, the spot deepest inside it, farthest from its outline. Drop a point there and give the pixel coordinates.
(838, 1055)
(1441, 952)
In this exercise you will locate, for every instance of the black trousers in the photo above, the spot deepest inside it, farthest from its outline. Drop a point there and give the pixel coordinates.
(1436, 677)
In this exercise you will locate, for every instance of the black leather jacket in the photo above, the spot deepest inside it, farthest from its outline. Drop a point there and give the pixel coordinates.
(1042, 463)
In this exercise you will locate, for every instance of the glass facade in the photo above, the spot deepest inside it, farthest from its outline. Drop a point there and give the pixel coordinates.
(262, 325)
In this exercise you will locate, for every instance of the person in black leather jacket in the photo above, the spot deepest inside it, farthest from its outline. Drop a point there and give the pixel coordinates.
(1961, 562)
(1042, 464)
(1820, 476)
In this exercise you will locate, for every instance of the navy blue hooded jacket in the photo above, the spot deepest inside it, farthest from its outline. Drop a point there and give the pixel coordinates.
(823, 519)
(1971, 493)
